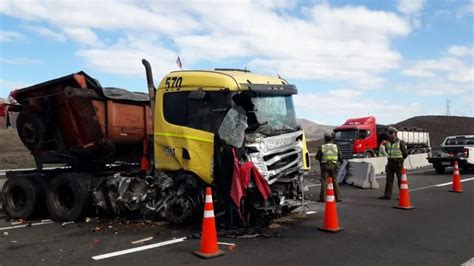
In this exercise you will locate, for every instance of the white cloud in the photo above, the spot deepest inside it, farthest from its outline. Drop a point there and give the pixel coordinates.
(464, 75)
(125, 57)
(412, 10)
(46, 32)
(83, 35)
(460, 50)
(10, 36)
(349, 43)
(343, 104)
(410, 7)
(450, 74)
(104, 15)
(456, 66)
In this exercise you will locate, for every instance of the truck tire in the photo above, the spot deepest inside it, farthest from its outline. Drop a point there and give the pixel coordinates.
(180, 209)
(22, 197)
(68, 197)
(439, 169)
(31, 129)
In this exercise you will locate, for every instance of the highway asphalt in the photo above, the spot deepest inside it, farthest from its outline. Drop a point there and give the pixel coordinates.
(439, 231)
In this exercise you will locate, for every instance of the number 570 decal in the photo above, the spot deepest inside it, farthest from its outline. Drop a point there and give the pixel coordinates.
(173, 82)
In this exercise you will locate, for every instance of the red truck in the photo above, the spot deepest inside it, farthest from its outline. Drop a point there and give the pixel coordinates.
(361, 137)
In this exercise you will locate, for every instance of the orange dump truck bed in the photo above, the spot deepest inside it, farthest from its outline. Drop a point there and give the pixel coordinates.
(73, 119)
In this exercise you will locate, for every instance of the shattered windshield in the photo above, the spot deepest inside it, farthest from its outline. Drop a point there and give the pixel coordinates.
(275, 112)
(345, 135)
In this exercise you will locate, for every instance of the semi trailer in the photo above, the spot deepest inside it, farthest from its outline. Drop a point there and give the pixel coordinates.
(361, 137)
(153, 154)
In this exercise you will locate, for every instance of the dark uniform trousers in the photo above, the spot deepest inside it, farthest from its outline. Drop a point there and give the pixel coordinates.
(329, 170)
(394, 166)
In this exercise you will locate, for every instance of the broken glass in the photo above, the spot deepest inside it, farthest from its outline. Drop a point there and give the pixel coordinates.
(232, 129)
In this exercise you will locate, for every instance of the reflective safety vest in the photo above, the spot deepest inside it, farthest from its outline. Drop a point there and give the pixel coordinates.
(393, 150)
(330, 153)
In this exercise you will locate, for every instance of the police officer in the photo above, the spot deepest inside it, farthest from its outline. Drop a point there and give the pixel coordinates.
(396, 153)
(328, 156)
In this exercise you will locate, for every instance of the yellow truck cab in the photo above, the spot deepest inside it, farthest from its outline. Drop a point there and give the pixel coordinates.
(191, 107)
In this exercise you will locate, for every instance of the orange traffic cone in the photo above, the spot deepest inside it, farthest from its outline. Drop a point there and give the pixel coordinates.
(331, 223)
(456, 179)
(404, 195)
(209, 247)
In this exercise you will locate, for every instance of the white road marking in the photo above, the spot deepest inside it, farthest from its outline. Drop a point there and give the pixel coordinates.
(25, 225)
(132, 250)
(310, 212)
(469, 262)
(314, 185)
(442, 184)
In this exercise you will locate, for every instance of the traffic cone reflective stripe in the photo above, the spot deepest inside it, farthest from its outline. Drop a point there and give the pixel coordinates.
(456, 187)
(330, 198)
(209, 248)
(404, 195)
(331, 222)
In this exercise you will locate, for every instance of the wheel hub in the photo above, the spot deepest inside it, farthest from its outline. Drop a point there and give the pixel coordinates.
(180, 209)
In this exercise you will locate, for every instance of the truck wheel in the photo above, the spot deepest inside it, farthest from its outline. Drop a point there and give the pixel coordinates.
(439, 169)
(68, 197)
(368, 154)
(22, 196)
(180, 209)
(31, 129)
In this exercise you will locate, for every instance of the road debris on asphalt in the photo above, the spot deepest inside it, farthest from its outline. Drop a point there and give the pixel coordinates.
(66, 223)
(230, 246)
(142, 240)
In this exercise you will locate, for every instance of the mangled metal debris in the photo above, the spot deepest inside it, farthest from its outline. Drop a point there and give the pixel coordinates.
(146, 197)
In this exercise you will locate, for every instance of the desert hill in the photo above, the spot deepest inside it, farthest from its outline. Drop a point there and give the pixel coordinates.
(441, 126)
(314, 130)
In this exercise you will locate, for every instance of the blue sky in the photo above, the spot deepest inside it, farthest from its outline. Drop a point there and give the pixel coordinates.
(390, 59)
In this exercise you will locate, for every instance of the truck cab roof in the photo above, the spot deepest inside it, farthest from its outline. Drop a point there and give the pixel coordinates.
(230, 79)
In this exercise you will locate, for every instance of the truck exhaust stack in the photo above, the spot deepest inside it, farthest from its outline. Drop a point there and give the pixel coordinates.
(151, 85)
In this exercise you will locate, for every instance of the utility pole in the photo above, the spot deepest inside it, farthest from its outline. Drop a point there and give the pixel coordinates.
(448, 111)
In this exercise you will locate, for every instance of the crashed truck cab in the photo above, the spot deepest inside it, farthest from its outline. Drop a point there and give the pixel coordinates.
(197, 110)
(202, 120)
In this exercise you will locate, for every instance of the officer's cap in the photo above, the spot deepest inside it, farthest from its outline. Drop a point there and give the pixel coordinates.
(327, 135)
(392, 130)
